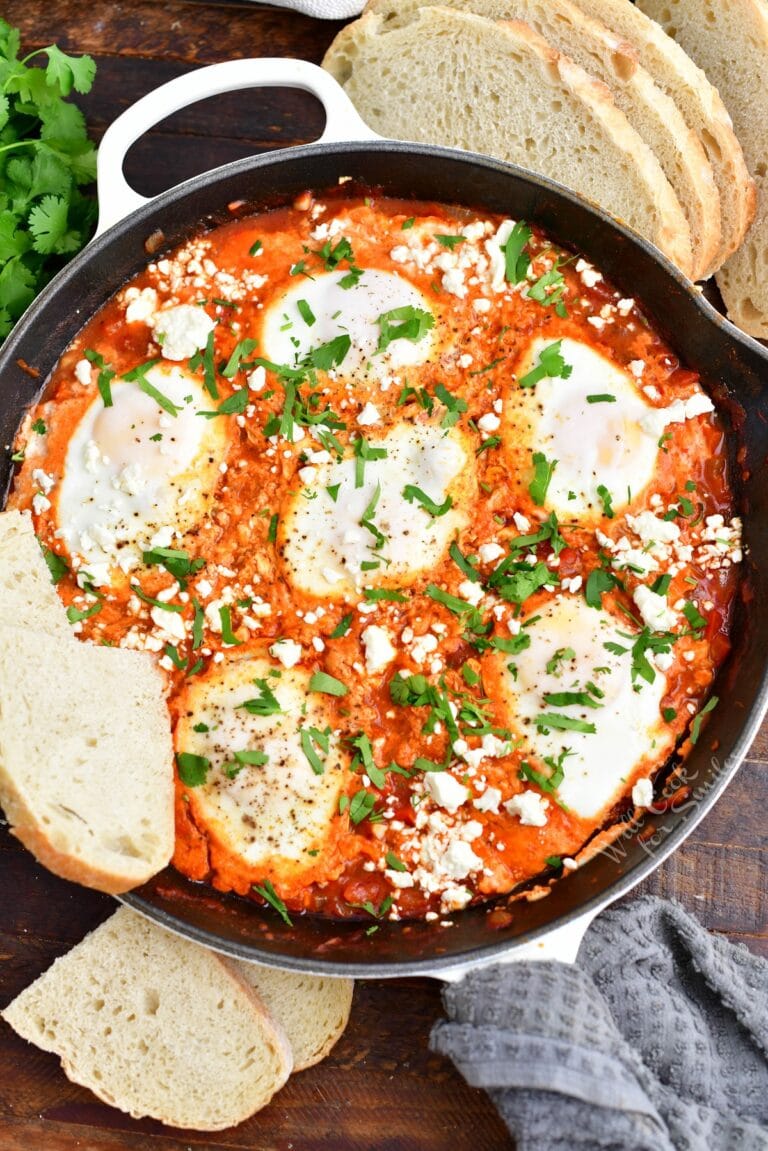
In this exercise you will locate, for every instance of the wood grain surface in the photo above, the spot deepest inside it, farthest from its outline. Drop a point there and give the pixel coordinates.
(380, 1089)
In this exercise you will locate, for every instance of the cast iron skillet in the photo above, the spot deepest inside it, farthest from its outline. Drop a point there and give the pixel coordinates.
(735, 371)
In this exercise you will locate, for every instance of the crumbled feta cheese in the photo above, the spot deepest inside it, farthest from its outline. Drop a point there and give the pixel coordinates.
(446, 791)
(83, 372)
(169, 622)
(530, 807)
(307, 474)
(654, 422)
(424, 646)
(642, 793)
(40, 503)
(368, 416)
(257, 379)
(142, 306)
(637, 367)
(653, 608)
(489, 800)
(379, 651)
(460, 859)
(496, 256)
(185, 330)
(489, 422)
(471, 591)
(589, 276)
(652, 529)
(399, 878)
(453, 283)
(489, 552)
(45, 482)
(521, 522)
(286, 651)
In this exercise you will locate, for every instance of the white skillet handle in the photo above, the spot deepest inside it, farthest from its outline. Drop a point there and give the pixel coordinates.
(117, 198)
(562, 944)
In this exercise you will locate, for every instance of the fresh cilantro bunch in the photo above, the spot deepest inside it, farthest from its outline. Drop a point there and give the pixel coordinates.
(45, 157)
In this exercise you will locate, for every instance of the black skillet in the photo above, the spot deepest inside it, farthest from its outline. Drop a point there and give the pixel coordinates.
(734, 368)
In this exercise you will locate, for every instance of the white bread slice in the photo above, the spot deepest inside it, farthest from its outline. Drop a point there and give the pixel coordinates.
(28, 597)
(312, 1010)
(729, 40)
(454, 78)
(654, 116)
(86, 758)
(701, 105)
(156, 1026)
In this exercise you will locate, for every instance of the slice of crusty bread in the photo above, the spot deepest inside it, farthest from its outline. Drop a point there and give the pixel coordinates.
(701, 105)
(454, 78)
(156, 1026)
(729, 40)
(86, 759)
(654, 116)
(27, 595)
(312, 1010)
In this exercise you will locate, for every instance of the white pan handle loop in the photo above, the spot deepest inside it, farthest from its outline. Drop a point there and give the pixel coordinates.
(561, 944)
(117, 199)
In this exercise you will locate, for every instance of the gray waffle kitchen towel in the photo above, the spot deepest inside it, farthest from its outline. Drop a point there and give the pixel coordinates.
(655, 1040)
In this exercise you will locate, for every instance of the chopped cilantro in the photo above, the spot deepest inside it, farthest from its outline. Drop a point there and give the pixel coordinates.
(544, 469)
(562, 654)
(312, 737)
(405, 323)
(607, 501)
(321, 681)
(516, 260)
(548, 720)
(342, 627)
(193, 769)
(598, 582)
(174, 560)
(550, 365)
(57, 565)
(306, 312)
(265, 703)
(268, 893)
(228, 637)
(411, 493)
(242, 349)
(710, 705)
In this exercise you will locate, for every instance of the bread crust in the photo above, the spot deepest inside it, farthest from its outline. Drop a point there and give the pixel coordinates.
(702, 107)
(730, 42)
(49, 1013)
(650, 111)
(621, 147)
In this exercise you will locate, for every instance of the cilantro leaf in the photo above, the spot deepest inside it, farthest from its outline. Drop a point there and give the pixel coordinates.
(406, 323)
(516, 260)
(69, 72)
(551, 364)
(544, 469)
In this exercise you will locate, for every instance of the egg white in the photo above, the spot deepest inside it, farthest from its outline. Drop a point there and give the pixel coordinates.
(270, 816)
(323, 542)
(628, 723)
(123, 490)
(354, 311)
(594, 444)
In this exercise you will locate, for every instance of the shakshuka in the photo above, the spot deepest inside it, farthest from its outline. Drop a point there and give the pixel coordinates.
(429, 530)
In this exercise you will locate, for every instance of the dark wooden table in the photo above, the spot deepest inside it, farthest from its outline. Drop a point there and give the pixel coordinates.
(381, 1089)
